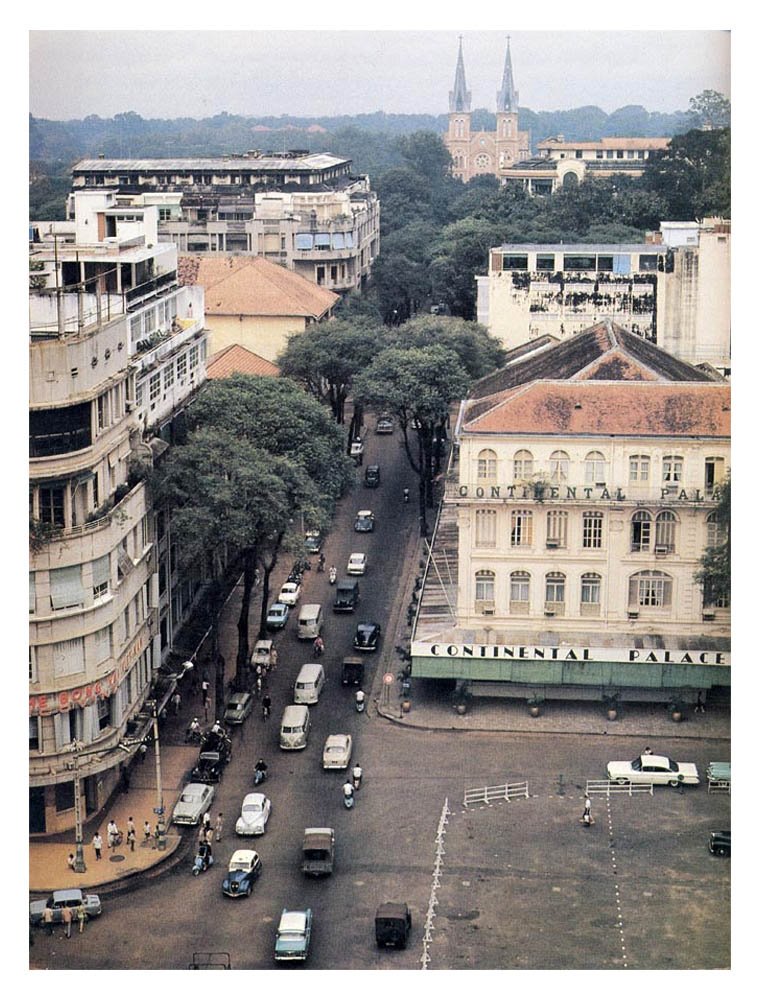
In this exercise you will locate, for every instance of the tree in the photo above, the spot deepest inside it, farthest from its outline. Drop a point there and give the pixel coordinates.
(418, 384)
(710, 109)
(715, 570)
(459, 253)
(693, 175)
(478, 352)
(426, 155)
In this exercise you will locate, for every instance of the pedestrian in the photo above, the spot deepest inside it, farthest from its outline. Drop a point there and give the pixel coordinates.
(113, 835)
(130, 826)
(157, 832)
(209, 836)
(47, 920)
(131, 839)
(273, 658)
(67, 916)
(219, 827)
(81, 915)
(176, 702)
(319, 646)
(146, 831)
(71, 862)
(207, 821)
(587, 818)
(97, 843)
(646, 752)
(700, 705)
(258, 684)
(266, 706)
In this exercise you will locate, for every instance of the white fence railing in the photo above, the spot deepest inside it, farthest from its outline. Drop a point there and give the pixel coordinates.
(433, 902)
(617, 788)
(496, 793)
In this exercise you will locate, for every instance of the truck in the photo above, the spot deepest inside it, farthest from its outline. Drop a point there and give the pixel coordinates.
(318, 852)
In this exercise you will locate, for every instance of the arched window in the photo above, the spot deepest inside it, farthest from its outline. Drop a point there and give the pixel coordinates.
(487, 465)
(672, 469)
(591, 593)
(638, 469)
(519, 592)
(556, 529)
(596, 468)
(485, 529)
(717, 531)
(521, 531)
(665, 531)
(593, 522)
(650, 589)
(559, 466)
(523, 464)
(484, 585)
(555, 593)
(641, 531)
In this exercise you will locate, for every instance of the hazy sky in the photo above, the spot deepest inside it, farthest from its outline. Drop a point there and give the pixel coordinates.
(199, 73)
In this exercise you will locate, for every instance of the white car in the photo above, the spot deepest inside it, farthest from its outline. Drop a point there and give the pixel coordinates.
(337, 752)
(357, 564)
(290, 594)
(195, 800)
(254, 814)
(652, 769)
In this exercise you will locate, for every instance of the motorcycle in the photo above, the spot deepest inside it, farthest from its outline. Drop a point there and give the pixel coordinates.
(204, 859)
(319, 646)
(193, 734)
(357, 776)
(332, 576)
(321, 564)
(406, 496)
(259, 774)
(359, 701)
(348, 795)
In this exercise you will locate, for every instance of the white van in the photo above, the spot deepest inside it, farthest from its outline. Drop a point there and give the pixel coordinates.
(294, 728)
(310, 621)
(309, 684)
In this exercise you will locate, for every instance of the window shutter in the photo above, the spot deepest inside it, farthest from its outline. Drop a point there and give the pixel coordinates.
(66, 589)
(101, 571)
(68, 657)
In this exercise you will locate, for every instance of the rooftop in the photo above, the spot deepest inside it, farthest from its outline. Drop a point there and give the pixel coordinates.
(236, 359)
(250, 161)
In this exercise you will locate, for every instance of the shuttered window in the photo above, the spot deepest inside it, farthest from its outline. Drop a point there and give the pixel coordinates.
(68, 657)
(66, 590)
(100, 576)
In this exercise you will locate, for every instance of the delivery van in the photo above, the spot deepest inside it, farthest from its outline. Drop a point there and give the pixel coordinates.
(310, 621)
(309, 684)
(294, 728)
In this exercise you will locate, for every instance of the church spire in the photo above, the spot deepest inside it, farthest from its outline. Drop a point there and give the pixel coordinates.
(459, 97)
(507, 97)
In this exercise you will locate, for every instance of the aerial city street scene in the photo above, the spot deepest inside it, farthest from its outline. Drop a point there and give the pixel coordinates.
(379, 500)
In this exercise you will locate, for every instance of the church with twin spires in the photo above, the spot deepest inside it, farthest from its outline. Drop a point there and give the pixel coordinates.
(475, 153)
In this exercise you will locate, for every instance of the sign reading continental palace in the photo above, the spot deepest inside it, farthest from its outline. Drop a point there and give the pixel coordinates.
(592, 654)
(539, 491)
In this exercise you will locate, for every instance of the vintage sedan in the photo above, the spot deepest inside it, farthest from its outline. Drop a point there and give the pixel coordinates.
(254, 814)
(313, 542)
(293, 936)
(262, 653)
(73, 898)
(720, 843)
(384, 424)
(372, 476)
(209, 767)
(367, 636)
(243, 870)
(652, 769)
(277, 616)
(337, 752)
(194, 801)
(239, 705)
(365, 521)
(290, 594)
(357, 564)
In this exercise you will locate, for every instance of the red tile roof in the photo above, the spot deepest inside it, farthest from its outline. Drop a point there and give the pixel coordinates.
(236, 359)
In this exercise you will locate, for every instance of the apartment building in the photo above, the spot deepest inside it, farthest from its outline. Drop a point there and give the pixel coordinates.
(116, 351)
(674, 290)
(305, 211)
(576, 511)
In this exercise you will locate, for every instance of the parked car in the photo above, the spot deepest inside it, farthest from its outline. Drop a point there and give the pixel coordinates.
(365, 521)
(393, 922)
(337, 752)
(290, 594)
(720, 843)
(357, 564)
(209, 768)
(357, 448)
(318, 851)
(64, 897)
(254, 814)
(313, 542)
(372, 476)
(239, 705)
(277, 616)
(219, 742)
(194, 801)
(384, 424)
(293, 936)
(367, 636)
(652, 768)
(262, 653)
(243, 870)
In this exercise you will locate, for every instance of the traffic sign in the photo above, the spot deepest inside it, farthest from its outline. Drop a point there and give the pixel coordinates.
(387, 678)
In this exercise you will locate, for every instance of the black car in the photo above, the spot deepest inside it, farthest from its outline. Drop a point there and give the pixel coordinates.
(219, 742)
(372, 475)
(720, 843)
(209, 768)
(313, 542)
(367, 636)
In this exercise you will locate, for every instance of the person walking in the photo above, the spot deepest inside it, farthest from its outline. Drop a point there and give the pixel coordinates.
(131, 839)
(81, 916)
(266, 706)
(273, 659)
(47, 920)
(146, 831)
(97, 843)
(700, 705)
(112, 834)
(67, 916)
(71, 862)
(219, 827)
(587, 819)
(130, 826)
(176, 702)
(206, 821)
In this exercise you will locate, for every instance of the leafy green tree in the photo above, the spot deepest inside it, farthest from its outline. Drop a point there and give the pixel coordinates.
(715, 570)
(693, 176)
(711, 109)
(426, 155)
(459, 253)
(478, 352)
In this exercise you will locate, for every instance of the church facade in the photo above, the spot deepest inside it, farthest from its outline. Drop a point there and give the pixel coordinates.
(475, 153)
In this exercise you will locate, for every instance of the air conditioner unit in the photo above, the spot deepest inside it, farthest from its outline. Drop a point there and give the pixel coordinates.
(485, 608)
(552, 543)
(633, 614)
(549, 610)
(661, 550)
(708, 616)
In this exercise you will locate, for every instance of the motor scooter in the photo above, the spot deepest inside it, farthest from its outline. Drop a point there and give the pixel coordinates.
(348, 795)
(359, 700)
(259, 774)
(204, 859)
(332, 575)
(356, 774)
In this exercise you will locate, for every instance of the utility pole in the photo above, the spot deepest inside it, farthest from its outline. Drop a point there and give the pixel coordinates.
(79, 866)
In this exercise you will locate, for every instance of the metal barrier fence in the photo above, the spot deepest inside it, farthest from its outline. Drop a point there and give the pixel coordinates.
(716, 786)
(617, 788)
(495, 793)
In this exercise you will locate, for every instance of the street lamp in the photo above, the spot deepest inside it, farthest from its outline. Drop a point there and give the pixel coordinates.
(79, 866)
(158, 809)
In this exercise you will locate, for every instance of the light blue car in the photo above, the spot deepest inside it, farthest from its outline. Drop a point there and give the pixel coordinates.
(293, 936)
(277, 616)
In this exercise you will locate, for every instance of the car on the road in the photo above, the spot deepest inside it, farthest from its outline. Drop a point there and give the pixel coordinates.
(313, 542)
(194, 801)
(218, 741)
(357, 448)
(653, 769)
(365, 521)
(367, 636)
(393, 923)
(72, 898)
(290, 594)
(254, 814)
(277, 616)
(720, 843)
(209, 767)
(262, 653)
(372, 476)
(243, 870)
(384, 424)
(318, 850)
(293, 936)
(239, 705)
(337, 752)
(357, 564)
